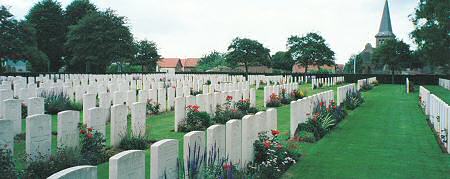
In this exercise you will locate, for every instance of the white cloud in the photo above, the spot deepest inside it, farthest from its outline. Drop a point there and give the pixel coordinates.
(192, 28)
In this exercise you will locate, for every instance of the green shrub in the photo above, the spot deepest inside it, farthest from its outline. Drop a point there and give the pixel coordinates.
(77, 106)
(56, 102)
(24, 110)
(353, 100)
(272, 158)
(93, 148)
(152, 107)
(320, 123)
(243, 105)
(7, 166)
(195, 120)
(131, 142)
(366, 86)
(252, 110)
(274, 101)
(306, 136)
(43, 167)
(297, 94)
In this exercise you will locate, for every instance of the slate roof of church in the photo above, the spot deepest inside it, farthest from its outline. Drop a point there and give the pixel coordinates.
(385, 25)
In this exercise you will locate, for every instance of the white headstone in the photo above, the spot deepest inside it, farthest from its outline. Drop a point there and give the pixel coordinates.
(35, 106)
(164, 159)
(38, 138)
(138, 114)
(127, 164)
(234, 141)
(89, 101)
(194, 147)
(12, 110)
(97, 118)
(68, 134)
(7, 135)
(118, 123)
(215, 142)
(180, 110)
(84, 172)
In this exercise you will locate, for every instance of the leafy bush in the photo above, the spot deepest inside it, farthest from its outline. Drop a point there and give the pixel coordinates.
(296, 94)
(321, 122)
(131, 142)
(285, 98)
(93, 148)
(24, 110)
(353, 100)
(77, 106)
(7, 166)
(252, 110)
(56, 102)
(366, 86)
(43, 167)
(195, 120)
(152, 107)
(305, 136)
(195, 93)
(243, 105)
(274, 101)
(271, 157)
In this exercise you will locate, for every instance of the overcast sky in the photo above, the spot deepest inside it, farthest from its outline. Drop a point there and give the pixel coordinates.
(193, 28)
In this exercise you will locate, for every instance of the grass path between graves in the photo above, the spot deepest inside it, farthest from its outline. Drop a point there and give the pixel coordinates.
(440, 92)
(387, 137)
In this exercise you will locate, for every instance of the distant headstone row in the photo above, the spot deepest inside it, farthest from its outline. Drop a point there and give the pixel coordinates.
(438, 112)
(444, 83)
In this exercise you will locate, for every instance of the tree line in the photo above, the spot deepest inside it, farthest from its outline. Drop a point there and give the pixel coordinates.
(79, 38)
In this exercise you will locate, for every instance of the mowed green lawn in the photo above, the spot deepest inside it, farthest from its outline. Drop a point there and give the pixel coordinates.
(387, 137)
(440, 92)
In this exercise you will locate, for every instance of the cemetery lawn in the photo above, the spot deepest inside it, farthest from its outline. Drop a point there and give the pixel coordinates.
(387, 137)
(161, 127)
(440, 92)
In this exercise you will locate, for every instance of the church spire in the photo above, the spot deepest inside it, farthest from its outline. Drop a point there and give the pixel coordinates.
(385, 31)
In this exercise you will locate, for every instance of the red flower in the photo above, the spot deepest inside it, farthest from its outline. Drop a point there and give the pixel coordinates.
(226, 166)
(267, 144)
(82, 131)
(334, 107)
(328, 109)
(90, 129)
(275, 132)
(308, 114)
(229, 98)
(321, 104)
(234, 110)
(89, 135)
(279, 146)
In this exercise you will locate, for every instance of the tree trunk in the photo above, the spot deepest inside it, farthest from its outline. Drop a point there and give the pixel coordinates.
(142, 68)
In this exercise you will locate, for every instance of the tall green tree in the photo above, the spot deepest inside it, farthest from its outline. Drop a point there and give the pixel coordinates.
(19, 42)
(282, 60)
(99, 39)
(146, 55)
(77, 9)
(247, 52)
(47, 18)
(432, 32)
(212, 60)
(394, 53)
(310, 49)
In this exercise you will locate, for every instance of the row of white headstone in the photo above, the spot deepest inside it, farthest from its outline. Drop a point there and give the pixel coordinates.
(342, 92)
(438, 112)
(330, 81)
(303, 108)
(361, 82)
(277, 90)
(444, 83)
(38, 125)
(232, 141)
(208, 102)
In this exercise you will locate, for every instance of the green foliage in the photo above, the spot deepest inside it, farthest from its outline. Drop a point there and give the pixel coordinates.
(152, 107)
(131, 142)
(353, 100)
(274, 101)
(212, 60)
(366, 86)
(431, 33)
(298, 94)
(321, 71)
(77, 9)
(394, 53)
(248, 52)
(146, 55)
(195, 120)
(306, 136)
(310, 49)
(47, 18)
(19, 41)
(282, 60)
(7, 166)
(93, 148)
(43, 167)
(56, 102)
(99, 39)
(272, 159)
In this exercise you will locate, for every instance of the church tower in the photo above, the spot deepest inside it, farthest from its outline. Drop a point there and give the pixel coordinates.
(385, 31)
